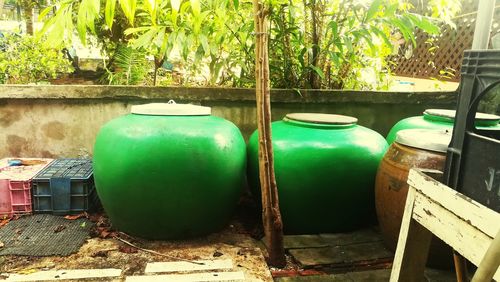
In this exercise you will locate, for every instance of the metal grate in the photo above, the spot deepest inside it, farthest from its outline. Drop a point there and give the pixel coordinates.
(75, 169)
(44, 235)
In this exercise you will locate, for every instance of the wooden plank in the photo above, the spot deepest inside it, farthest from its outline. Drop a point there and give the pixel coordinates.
(303, 241)
(327, 239)
(190, 277)
(357, 237)
(370, 275)
(76, 274)
(365, 252)
(176, 266)
(438, 275)
(413, 246)
(472, 212)
(315, 278)
(367, 276)
(349, 254)
(453, 230)
(431, 275)
(318, 256)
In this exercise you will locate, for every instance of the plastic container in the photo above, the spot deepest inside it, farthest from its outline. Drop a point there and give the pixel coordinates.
(441, 119)
(15, 184)
(66, 186)
(325, 168)
(169, 171)
(473, 162)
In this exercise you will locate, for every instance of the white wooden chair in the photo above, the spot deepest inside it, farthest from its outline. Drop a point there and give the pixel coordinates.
(434, 208)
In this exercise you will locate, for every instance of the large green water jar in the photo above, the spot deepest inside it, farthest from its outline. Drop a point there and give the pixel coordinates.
(325, 168)
(169, 171)
(440, 119)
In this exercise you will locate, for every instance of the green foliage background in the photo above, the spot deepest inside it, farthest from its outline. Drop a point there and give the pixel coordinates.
(312, 43)
(24, 59)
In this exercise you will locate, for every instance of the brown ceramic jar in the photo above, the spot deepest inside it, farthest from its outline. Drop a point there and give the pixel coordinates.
(413, 148)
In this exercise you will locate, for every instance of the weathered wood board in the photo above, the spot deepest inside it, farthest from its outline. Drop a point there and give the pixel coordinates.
(342, 255)
(434, 208)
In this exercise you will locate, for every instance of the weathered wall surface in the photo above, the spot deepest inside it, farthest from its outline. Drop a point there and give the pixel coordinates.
(63, 121)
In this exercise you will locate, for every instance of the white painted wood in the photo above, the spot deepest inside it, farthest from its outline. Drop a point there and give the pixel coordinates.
(403, 235)
(176, 266)
(462, 223)
(413, 246)
(472, 212)
(76, 274)
(465, 239)
(490, 263)
(191, 277)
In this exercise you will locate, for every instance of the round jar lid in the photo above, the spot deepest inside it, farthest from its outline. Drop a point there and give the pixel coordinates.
(427, 139)
(170, 109)
(322, 118)
(450, 114)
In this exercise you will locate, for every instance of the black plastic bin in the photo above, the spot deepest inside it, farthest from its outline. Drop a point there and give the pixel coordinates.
(473, 157)
(66, 186)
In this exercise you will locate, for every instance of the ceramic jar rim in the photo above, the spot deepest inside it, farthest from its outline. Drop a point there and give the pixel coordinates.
(320, 120)
(170, 109)
(448, 116)
(426, 139)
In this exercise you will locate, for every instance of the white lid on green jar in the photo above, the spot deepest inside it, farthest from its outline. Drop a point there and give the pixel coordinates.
(170, 109)
(450, 114)
(322, 118)
(427, 139)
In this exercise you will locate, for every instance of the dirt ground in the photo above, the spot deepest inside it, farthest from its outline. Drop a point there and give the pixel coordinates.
(237, 242)
(243, 250)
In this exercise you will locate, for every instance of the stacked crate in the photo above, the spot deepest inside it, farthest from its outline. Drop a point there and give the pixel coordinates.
(15, 184)
(473, 158)
(66, 186)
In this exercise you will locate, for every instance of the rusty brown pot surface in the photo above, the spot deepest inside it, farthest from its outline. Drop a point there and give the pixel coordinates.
(391, 190)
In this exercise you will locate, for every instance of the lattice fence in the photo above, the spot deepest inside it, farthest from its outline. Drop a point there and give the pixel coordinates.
(425, 63)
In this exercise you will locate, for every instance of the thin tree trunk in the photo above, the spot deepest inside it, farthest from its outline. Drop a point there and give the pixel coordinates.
(28, 15)
(287, 49)
(271, 217)
(155, 74)
(1, 6)
(307, 23)
(317, 20)
(158, 63)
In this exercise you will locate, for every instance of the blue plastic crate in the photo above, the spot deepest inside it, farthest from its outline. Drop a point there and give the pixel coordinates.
(66, 186)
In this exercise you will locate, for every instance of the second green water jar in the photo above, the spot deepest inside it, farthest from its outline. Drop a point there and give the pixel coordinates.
(325, 168)
(169, 171)
(440, 119)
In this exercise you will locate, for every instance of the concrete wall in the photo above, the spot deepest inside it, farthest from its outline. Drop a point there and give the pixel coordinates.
(63, 121)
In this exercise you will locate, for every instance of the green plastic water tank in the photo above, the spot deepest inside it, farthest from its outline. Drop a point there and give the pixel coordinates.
(169, 171)
(325, 168)
(442, 120)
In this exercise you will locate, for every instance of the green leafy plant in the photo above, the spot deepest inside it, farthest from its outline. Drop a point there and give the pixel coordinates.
(340, 44)
(313, 43)
(23, 59)
(128, 66)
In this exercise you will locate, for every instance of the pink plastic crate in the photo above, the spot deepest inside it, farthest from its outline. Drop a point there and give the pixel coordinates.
(15, 186)
(15, 197)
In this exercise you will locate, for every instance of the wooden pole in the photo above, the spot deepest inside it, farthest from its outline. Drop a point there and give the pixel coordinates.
(490, 262)
(484, 19)
(460, 267)
(271, 216)
(1, 6)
